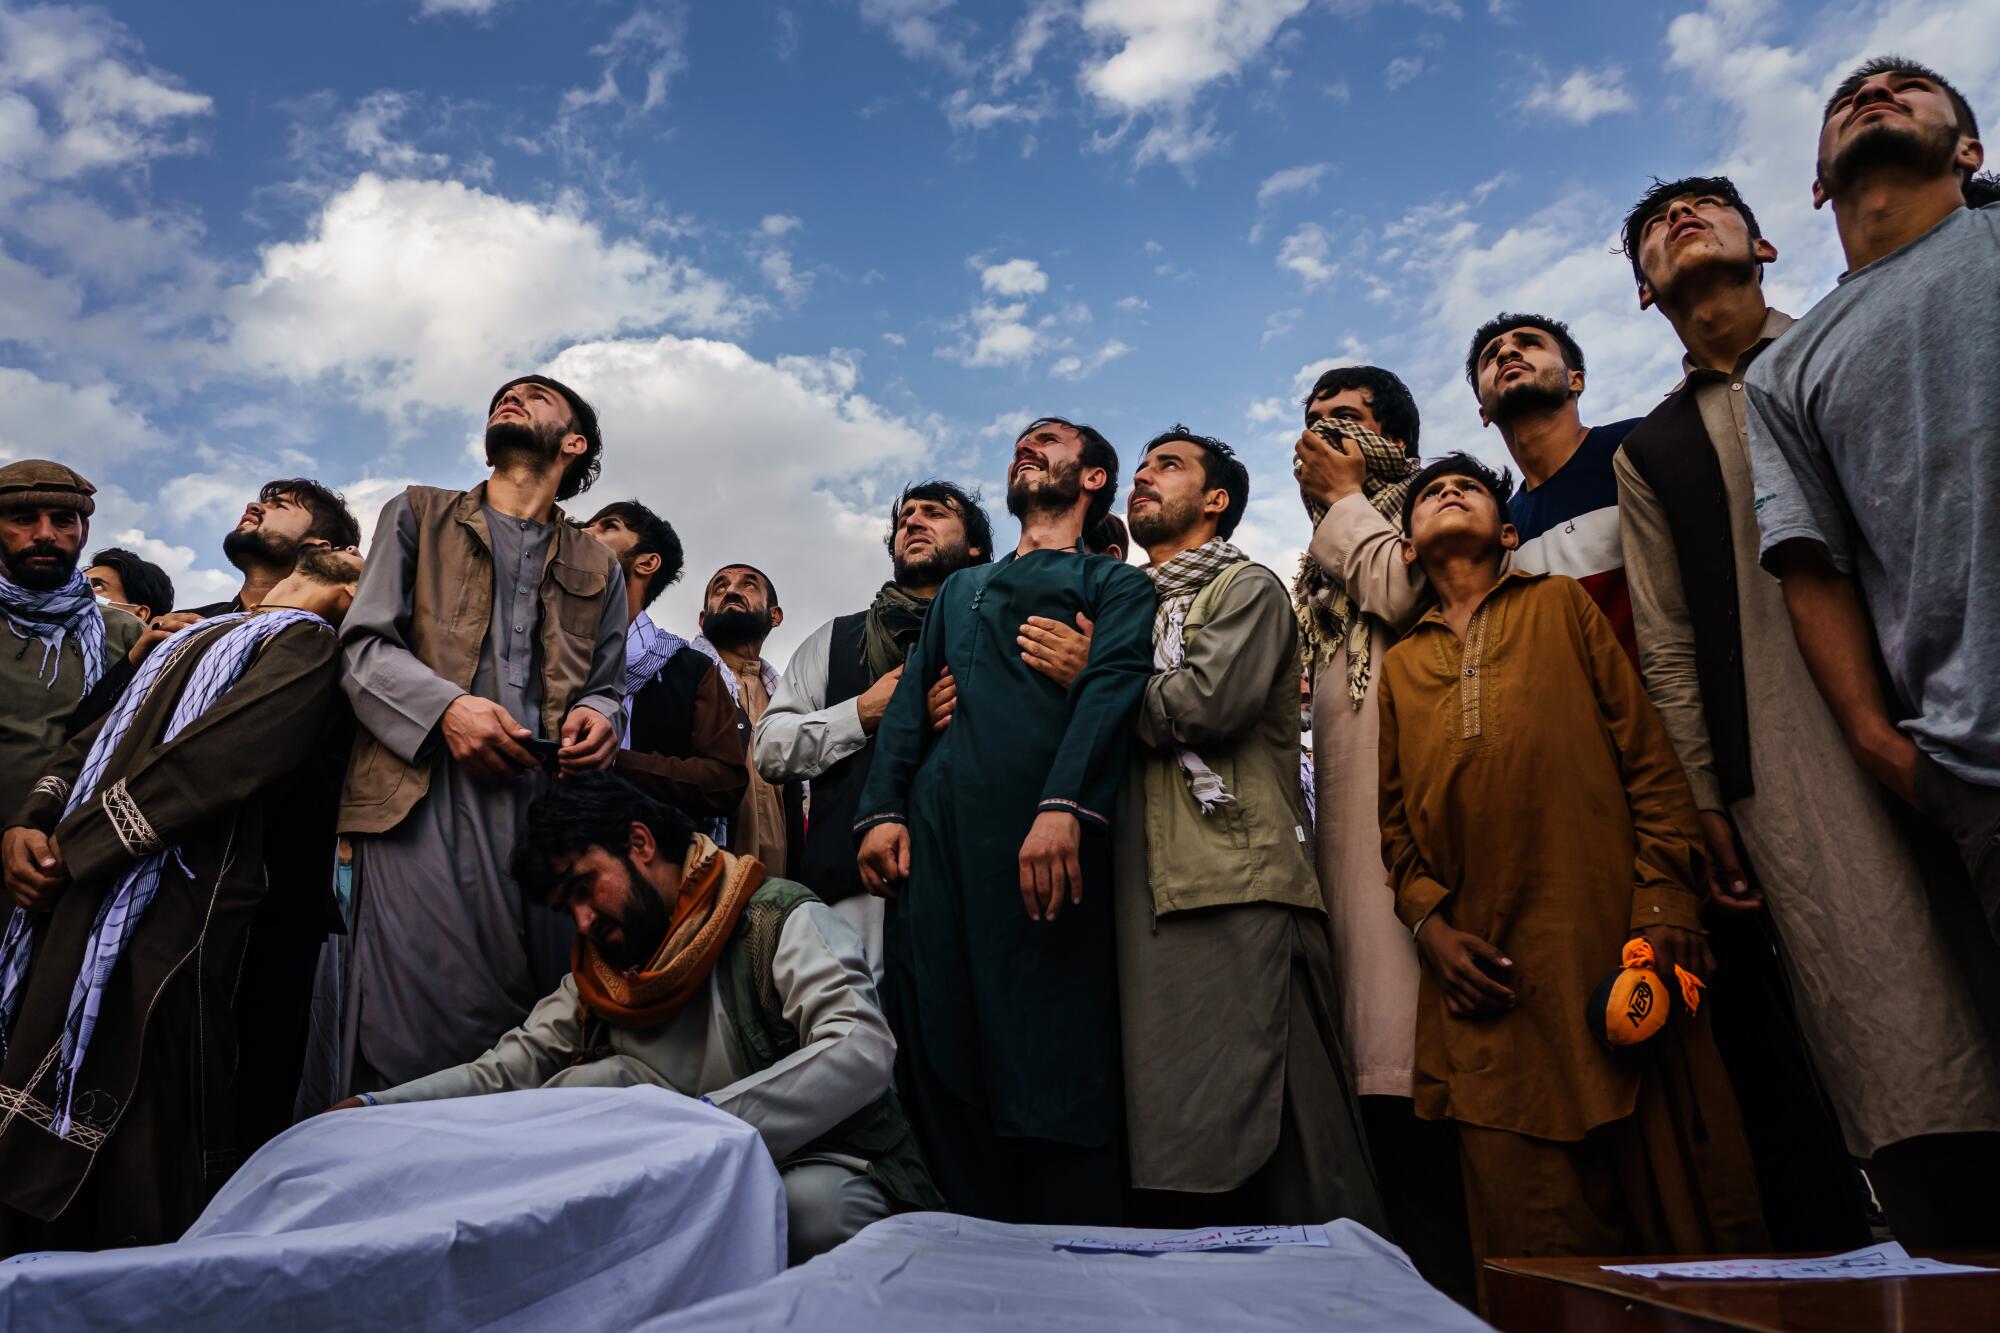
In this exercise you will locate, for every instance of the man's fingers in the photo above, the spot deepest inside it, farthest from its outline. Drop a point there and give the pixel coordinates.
(1031, 897)
(1483, 986)
(902, 857)
(1073, 867)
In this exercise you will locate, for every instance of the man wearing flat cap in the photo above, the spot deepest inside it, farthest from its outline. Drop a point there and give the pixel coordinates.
(56, 639)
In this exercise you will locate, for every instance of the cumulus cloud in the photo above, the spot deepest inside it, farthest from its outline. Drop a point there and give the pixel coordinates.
(195, 584)
(778, 224)
(1014, 277)
(806, 453)
(1304, 253)
(1583, 96)
(1292, 180)
(993, 334)
(1075, 367)
(427, 293)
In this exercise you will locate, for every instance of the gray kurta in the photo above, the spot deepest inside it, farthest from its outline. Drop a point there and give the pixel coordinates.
(445, 956)
(1882, 1008)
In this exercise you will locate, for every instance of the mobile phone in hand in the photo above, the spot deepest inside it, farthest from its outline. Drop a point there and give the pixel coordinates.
(545, 751)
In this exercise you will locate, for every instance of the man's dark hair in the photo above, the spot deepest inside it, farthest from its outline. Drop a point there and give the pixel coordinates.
(964, 503)
(1498, 484)
(1507, 323)
(655, 536)
(590, 810)
(1663, 193)
(1968, 124)
(1221, 470)
(1394, 408)
(1097, 452)
(1982, 189)
(770, 588)
(1108, 532)
(332, 523)
(146, 584)
(582, 471)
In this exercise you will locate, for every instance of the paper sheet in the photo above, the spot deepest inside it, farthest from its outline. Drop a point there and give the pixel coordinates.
(1890, 1260)
(1211, 1238)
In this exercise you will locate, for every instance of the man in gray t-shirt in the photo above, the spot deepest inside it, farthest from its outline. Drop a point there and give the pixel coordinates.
(1875, 443)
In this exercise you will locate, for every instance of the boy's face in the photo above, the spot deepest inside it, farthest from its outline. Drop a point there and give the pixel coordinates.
(1456, 516)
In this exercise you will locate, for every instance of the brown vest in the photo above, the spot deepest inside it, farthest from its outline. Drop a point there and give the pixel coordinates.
(451, 604)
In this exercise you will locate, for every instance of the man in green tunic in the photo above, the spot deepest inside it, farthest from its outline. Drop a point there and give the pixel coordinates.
(991, 837)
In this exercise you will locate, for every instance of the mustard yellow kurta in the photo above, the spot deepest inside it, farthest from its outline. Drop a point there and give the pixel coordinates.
(1530, 793)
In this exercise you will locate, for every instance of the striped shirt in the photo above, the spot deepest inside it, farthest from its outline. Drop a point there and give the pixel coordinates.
(1569, 525)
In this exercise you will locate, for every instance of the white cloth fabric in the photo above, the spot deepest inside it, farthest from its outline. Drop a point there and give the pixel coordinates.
(800, 735)
(571, 1209)
(926, 1271)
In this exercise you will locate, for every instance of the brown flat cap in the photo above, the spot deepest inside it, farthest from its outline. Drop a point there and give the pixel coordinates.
(38, 482)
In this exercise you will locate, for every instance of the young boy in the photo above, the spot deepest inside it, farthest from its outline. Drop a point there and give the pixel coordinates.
(1534, 818)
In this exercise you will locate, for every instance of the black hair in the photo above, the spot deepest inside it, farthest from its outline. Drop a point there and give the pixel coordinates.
(1982, 189)
(1663, 193)
(590, 810)
(1107, 533)
(1968, 124)
(146, 584)
(655, 536)
(964, 503)
(1506, 323)
(1221, 470)
(1499, 484)
(770, 588)
(332, 523)
(1097, 452)
(582, 470)
(1394, 408)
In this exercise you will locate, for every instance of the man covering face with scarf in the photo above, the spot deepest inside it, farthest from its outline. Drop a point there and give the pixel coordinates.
(822, 719)
(55, 640)
(670, 928)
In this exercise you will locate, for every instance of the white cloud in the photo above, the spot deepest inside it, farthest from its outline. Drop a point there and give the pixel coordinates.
(993, 335)
(894, 339)
(1014, 277)
(1075, 367)
(1007, 425)
(966, 113)
(469, 8)
(1279, 323)
(1584, 95)
(1133, 305)
(1037, 28)
(1291, 180)
(788, 282)
(777, 224)
(915, 27)
(802, 444)
(368, 133)
(1305, 251)
(194, 585)
(1401, 70)
(104, 107)
(86, 426)
(1153, 248)
(652, 42)
(427, 293)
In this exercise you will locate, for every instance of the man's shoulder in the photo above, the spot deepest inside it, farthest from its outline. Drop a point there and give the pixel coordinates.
(1115, 575)
(1604, 440)
(121, 629)
(423, 499)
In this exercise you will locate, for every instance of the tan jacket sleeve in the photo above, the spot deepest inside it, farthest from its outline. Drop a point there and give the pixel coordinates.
(1364, 551)
(1665, 629)
(1669, 860)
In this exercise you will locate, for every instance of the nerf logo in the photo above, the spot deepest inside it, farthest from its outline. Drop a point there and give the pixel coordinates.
(1641, 1005)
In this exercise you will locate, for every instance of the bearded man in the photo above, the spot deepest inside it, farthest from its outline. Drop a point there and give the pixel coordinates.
(485, 654)
(696, 971)
(288, 515)
(821, 724)
(992, 842)
(59, 643)
(138, 869)
(739, 611)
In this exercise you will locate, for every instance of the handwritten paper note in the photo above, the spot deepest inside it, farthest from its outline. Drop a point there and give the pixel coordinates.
(1890, 1260)
(1213, 1238)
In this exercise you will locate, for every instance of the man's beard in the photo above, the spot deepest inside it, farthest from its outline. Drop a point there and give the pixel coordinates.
(1162, 521)
(1713, 273)
(1056, 493)
(1886, 145)
(929, 570)
(736, 628)
(1530, 397)
(323, 564)
(42, 578)
(507, 441)
(245, 547)
(642, 927)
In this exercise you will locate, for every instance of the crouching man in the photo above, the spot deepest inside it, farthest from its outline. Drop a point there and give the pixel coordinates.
(694, 971)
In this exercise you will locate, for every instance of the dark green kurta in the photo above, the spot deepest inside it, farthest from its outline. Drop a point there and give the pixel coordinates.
(246, 793)
(1015, 1016)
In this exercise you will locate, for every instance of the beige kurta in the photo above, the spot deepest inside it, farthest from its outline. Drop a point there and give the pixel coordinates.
(759, 827)
(1372, 951)
(1889, 1023)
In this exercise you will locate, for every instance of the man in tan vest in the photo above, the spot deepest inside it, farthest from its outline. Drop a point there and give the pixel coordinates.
(484, 656)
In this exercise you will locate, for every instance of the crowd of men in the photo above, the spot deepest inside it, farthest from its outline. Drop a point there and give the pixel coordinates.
(1646, 883)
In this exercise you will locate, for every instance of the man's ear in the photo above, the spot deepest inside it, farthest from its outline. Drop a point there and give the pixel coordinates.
(574, 445)
(1484, 420)
(701, 619)
(1766, 252)
(1510, 536)
(1103, 479)
(777, 616)
(1215, 502)
(1645, 295)
(640, 844)
(1576, 384)
(1819, 194)
(1971, 155)
(1409, 552)
(316, 541)
(646, 565)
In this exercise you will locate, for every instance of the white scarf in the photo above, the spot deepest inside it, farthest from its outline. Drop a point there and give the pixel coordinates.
(47, 616)
(1179, 581)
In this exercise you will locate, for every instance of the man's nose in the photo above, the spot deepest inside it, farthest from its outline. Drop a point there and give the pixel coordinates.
(45, 528)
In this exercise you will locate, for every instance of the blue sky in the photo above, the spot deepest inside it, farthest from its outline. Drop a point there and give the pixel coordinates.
(799, 253)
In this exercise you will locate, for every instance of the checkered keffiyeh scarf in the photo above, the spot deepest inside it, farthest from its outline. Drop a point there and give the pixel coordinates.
(1179, 581)
(47, 616)
(121, 909)
(1328, 618)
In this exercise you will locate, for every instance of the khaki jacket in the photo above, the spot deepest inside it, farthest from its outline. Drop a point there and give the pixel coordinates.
(448, 587)
(1235, 702)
